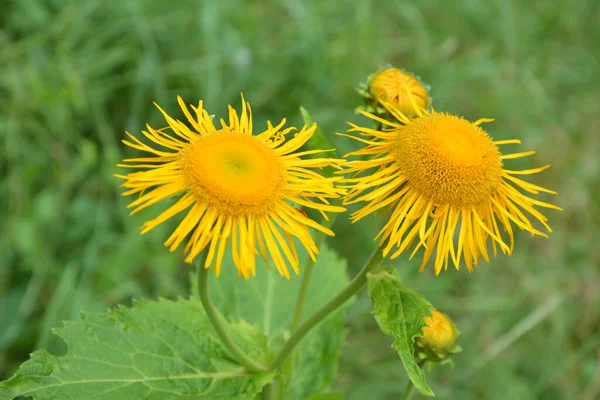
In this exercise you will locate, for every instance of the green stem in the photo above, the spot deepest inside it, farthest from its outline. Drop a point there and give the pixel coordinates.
(408, 392)
(357, 283)
(308, 270)
(215, 320)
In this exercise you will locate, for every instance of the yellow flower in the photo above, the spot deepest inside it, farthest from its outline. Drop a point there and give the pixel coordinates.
(399, 89)
(442, 182)
(440, 332)
(235, 186)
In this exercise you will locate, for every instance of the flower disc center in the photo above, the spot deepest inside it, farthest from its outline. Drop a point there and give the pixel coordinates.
(448, 159)
(237, 173)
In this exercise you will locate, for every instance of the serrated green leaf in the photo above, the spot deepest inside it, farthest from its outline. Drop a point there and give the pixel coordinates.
(269, 300)
(155, 351)
(400, 313)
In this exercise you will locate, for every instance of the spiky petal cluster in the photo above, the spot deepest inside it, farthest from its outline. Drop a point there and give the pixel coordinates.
(234, 187)
(441, 181)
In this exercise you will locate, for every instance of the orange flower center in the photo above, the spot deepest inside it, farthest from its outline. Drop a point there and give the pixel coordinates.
(448, 159)
(234, 172)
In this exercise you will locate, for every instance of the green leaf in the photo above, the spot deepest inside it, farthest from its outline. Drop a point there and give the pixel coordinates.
(155, 350)
(327, 396)
(319, 141)
(400, 313)
(269, 301)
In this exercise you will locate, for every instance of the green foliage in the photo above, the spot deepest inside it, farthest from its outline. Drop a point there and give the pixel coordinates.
(154, 350)
(319, 141)
(326, 396)
(268, 300)
(400, 313)
(76, 74)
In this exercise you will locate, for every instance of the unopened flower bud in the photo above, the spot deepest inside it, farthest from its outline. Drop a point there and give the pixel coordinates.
(392, 87)
(400, 89)
(438, 342)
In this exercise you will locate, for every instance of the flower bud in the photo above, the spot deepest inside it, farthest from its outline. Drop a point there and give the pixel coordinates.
(439, 338)
(401, 90)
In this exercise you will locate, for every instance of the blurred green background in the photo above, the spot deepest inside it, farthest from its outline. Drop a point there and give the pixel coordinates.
(74, 75)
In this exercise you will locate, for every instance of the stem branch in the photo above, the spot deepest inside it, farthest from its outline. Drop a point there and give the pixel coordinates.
(408, 392)
(308, 270)
(215, 320)
(357, 283)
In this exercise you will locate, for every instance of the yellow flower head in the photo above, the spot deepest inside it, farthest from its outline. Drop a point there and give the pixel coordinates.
(234, 187)
(440, 332)
(442, 182)
(399, 89)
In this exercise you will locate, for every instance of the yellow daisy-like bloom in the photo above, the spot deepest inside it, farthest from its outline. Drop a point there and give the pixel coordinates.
(234, 185)
(399, 89)
(440, 332)
(442, 182)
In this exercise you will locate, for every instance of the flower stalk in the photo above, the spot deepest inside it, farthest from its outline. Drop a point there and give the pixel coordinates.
(215, 320)
(308, 270)
(408, 392)
(359, 281)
